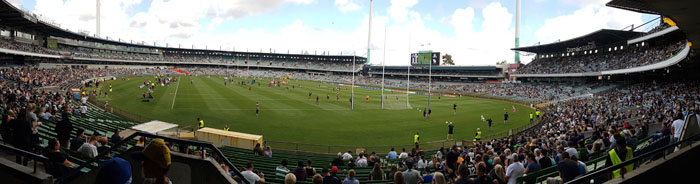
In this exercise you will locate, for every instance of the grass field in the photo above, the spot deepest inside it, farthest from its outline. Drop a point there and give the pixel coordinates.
(295, 117)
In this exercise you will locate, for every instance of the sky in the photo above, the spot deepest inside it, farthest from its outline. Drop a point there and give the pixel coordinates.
(474, 32)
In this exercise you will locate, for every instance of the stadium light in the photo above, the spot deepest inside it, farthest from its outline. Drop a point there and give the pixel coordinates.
(622, 47)
(596, 51)
(642, 44)
(609, 49)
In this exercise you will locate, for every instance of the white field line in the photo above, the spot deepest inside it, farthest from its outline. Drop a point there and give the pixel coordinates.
(174, 96)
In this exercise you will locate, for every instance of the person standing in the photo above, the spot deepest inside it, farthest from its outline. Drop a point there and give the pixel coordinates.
(505, 118)
(63, 129)
(257, 108)
(677, 127)
(416, 138)
(201, 123)
(226, 128)
(450, 131)
(515, 170)
(490, 122)
(477, 136)
(532, 116)
(454, 108)
(619, 154)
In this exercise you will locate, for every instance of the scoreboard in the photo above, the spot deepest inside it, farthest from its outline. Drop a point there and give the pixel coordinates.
(425, 58)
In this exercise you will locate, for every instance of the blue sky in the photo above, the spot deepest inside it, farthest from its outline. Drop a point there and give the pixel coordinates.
(477, 32)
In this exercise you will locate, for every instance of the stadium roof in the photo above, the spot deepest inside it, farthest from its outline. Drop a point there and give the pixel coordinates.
(601, 37)
(683, 12)
(467, 68)
(633, 5)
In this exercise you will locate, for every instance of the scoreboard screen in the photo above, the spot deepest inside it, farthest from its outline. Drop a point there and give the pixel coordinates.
(425, 58)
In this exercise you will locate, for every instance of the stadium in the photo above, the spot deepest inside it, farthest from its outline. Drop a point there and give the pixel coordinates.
(613, 105)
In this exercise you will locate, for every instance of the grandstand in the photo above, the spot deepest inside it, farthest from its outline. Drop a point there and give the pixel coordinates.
(593, 96)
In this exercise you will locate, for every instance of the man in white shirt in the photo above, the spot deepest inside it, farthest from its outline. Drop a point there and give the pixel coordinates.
(515, 170)
(89, 149)
(84, 99)
(347, 155)
(83, 109)
(403, 154)
(677, 127)
(249, 175)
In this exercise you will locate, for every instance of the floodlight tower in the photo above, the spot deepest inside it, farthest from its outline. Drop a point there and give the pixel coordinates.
(97, 21)
(369, 31)
(517, 31)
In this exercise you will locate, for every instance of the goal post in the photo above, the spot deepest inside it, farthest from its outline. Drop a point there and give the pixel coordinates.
(396, 102)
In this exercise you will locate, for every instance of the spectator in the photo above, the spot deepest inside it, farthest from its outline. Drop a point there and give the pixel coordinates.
(411, 176)
(258, 150)
(581, 166)
(251, 176)
(545, 161)
(83, 109)
(568, 169)
(347, 155)
(500, 174)
(290, 179)
(398, 178)
(393, 170)
(376, 173)
(310, 171)
(361, 161)
(5, 127)
(391, 154)
(439, 178)
(463, 175)
(328, 178)
(515, 169)
(63, 130)
(115, 137)
(79, 140)
(351, 178)
(60, 165)
(338, 161)
(300, 172)
(89, 149)
(282, 170)
(582, 151)
(403, 154)
(114, 171)
(317, 179)
(532, 165)
(155, 160)
(481, 177)
(268, 152)
(22, 134)
(677, 127)
(103, 146)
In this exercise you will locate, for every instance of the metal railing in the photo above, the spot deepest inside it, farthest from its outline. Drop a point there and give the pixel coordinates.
(328, 149)
(33, 156)
(636, 161)
(200, 145)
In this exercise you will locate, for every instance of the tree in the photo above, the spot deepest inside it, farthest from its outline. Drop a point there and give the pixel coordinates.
(501, 63)
(447, 60)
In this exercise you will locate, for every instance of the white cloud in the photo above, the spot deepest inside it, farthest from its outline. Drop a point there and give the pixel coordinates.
(16, 3)
(347, 5)
(585, 20)
(399, 9)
